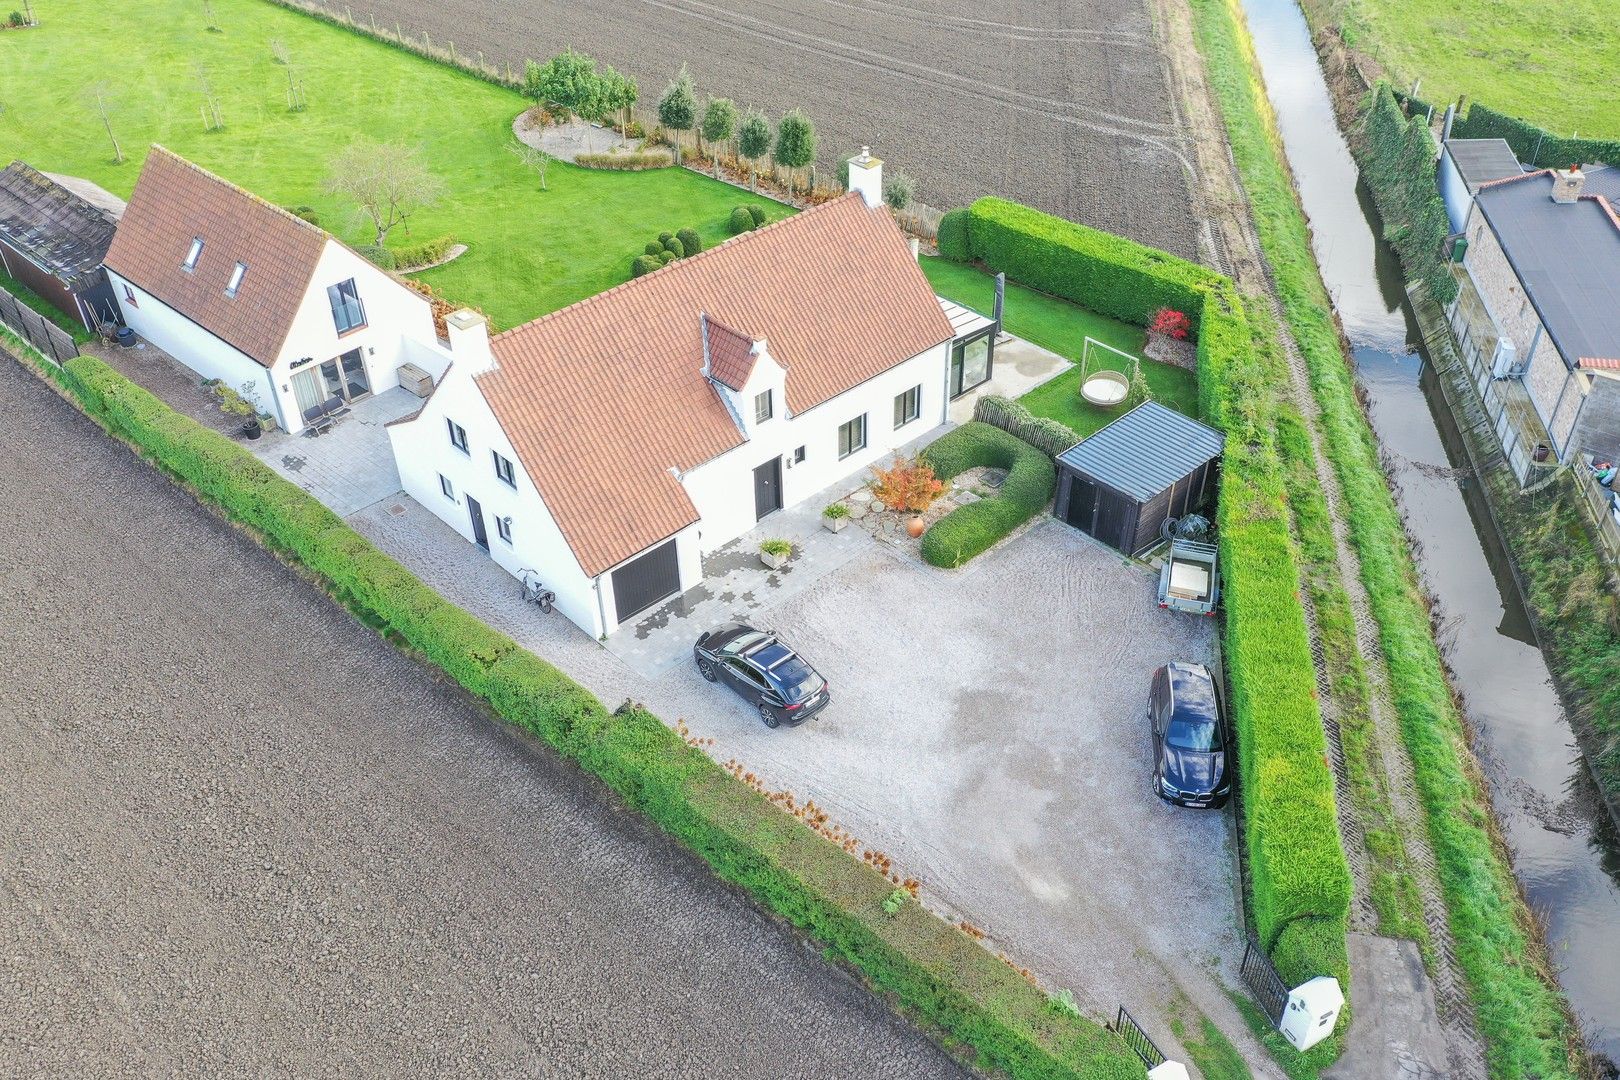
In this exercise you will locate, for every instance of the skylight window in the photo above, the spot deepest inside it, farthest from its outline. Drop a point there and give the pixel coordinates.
(194, 254)
(236, 279)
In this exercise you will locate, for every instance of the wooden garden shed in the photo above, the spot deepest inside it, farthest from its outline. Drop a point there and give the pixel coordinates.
(53, 239)
(1121, 483)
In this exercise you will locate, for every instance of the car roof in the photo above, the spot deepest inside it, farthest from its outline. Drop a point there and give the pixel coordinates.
(1192, 692)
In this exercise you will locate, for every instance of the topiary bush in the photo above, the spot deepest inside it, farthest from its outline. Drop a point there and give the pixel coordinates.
(953, 235)
(689, 241)
(971, 529)
(646, 264)
(741, 221)
(653, 248)
(666, 258)
(674, 246)
(756, 212)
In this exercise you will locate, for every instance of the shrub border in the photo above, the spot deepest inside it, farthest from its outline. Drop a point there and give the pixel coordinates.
(936, 971)
(973, 529)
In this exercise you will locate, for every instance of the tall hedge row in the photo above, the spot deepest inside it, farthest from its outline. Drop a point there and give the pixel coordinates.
(1297, 863)
(1535, 145)
(1397, 154)
(933, 968)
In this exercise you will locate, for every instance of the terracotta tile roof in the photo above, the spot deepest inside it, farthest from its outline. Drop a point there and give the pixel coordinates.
(59, 230)
(731, 355)
(175, 201)
(603, 399)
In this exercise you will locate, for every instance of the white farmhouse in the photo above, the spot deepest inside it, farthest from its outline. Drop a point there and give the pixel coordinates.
(240, 290)
(611, 445)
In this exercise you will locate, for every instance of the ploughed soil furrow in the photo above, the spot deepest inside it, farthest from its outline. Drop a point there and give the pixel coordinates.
(1060, 105)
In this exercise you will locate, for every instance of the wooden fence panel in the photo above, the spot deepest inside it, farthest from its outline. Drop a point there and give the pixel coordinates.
(34, 328)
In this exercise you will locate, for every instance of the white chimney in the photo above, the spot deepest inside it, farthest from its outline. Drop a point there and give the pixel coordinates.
(1567, 184)
(469, 341)
(866, 177)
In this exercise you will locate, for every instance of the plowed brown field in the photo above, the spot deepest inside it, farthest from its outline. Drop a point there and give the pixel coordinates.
(1062, 104)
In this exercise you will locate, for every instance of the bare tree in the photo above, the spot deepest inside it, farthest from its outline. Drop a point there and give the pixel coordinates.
(531, 157)
(208, 16)
(213, 118)
(98, 95)
(387, 181)
(295, 83)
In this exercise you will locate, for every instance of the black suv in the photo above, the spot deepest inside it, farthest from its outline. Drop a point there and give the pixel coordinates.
(767, 673)
(1189, 737)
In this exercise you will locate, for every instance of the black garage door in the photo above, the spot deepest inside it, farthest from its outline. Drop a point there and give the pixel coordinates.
(645, 580)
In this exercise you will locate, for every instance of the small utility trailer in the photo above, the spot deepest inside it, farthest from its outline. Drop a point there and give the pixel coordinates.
(1190, 580)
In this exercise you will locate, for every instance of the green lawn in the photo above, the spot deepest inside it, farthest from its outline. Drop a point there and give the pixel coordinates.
(32, 299)
(1063, 328)
(530, 251)
(1551, 62)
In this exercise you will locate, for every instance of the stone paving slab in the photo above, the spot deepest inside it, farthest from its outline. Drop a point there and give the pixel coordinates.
(352, 465)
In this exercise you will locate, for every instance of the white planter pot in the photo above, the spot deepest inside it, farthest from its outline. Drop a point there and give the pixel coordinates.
(834, 525)
(773, 561)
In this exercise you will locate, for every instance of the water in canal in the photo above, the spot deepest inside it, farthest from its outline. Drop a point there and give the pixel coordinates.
(1565, 847)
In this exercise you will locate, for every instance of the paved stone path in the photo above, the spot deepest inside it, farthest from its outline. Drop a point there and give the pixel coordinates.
(242, 836)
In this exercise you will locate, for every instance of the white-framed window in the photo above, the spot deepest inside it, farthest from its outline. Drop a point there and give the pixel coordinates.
(458, 435)
(194, 254)
(852, 436)
(235, 283)
(447, 487)
(762, 406)
(503, 526)
(504, 470)
(907, 407)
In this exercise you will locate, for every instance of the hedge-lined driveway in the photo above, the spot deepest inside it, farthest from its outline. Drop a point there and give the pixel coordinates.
(988, 732)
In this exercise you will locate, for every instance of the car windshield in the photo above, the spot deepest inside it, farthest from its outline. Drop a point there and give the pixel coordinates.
(1192, 735)
(796, 678)
(742, 643)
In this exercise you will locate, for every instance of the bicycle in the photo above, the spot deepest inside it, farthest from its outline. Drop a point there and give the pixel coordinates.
(534, 592)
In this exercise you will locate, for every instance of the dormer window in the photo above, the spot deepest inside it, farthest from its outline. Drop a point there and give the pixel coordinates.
(193, 255)
(762, 406)
(236, 279)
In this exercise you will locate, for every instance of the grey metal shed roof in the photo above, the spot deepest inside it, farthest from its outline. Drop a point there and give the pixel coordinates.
(1567, 255)
(1145, 451)
(60, 231)
(1483, 160)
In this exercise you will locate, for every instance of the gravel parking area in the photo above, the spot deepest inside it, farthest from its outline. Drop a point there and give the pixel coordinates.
(1063, 105)
(988, 732)
(241, 836)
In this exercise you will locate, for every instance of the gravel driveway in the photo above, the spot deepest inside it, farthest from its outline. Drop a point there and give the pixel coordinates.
(1063, 104)
(988, 732)
(240, 836)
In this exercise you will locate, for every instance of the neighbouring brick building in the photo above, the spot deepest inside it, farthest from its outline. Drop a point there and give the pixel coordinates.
(1538, 312)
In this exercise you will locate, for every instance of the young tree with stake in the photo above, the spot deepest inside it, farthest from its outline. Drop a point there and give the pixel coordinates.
(753, 143)
(387, 181)
(719, 124)
(677, 109)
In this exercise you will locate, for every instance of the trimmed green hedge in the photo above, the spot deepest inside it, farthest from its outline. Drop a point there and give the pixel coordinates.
(428, 251)
(1297, 863)
(630, 161)
(1051, 437)
(971, 529)
(1097, 270)
(953, 239)
(1396, 154)
(937, 971)
(1534, 145)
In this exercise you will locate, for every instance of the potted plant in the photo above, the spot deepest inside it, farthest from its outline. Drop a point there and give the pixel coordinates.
(773, 553)
(834, 517)
(244, 405)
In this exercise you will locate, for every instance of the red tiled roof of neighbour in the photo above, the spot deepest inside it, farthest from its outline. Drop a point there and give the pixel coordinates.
(603, 399)
(1610, 362)
(731, 355)
(176, 202)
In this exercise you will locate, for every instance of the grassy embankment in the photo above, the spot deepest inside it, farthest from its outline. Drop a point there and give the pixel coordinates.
(1543, 60)
(1521, 1014)
(530, 251)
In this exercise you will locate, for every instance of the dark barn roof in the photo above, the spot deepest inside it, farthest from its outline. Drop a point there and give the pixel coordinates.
(54, 227)
(1567, 255)
(1482, 160)
(1145, 451)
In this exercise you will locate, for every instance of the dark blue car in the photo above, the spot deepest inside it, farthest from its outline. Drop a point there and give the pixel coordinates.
(1190, 738)
(768, 674)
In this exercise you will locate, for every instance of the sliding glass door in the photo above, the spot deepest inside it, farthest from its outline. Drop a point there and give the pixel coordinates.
(343, 378)
(971, 363)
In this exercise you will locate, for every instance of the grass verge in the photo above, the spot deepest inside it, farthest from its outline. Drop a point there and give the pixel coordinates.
(1522, 1017)
(31, 299)
(935, 970)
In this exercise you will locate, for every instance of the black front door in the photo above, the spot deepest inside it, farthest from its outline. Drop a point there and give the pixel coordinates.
(768, 488)
(480, 533)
